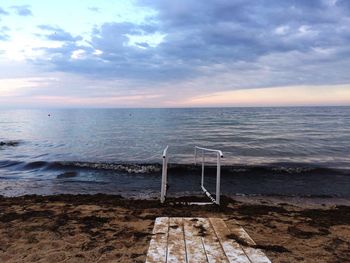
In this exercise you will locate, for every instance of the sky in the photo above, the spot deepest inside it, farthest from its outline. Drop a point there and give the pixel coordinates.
(166, 53)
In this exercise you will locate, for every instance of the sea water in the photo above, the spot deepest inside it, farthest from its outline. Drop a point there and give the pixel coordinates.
(267, 151)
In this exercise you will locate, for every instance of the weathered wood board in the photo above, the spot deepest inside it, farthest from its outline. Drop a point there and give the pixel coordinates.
(201, 240)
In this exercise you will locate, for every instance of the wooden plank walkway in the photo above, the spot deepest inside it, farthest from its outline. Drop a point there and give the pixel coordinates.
(201, 240)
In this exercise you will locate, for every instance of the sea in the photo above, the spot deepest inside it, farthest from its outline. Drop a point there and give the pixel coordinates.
(282, 151)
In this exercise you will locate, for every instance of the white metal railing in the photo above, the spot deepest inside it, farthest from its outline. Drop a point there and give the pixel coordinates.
(164, 175)
(197, 149)
(219, 155)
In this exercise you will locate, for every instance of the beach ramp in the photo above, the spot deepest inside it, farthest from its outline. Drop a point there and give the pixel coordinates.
(197, 240)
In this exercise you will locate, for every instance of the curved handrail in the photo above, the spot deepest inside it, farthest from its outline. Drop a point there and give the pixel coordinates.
(210, 150)
(165, 151)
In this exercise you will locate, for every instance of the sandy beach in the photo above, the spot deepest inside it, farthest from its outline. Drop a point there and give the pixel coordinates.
(106, 228)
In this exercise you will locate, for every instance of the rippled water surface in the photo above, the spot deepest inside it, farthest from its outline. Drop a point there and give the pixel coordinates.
(296, 150)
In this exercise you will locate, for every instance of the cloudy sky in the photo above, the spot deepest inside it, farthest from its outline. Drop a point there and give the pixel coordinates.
(166, 53)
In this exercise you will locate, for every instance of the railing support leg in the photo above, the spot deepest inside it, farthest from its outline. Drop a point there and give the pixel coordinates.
(203, 160)
(166, 177)
(218, 174)
(163, 186)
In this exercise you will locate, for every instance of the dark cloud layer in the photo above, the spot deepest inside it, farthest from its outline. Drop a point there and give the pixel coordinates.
(225, 34)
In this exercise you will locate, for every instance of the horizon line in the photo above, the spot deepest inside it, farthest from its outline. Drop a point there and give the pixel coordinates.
(174, 107)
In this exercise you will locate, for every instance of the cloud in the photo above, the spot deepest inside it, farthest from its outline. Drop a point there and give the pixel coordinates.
(11, 87)
(58, 34)
(272, 43)
(3, 33)
(3, 12)
(343, 4)
(94, 9)
(108, 55)
(22, 10)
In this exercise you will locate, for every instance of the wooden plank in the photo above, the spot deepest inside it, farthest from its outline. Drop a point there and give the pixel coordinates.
(255, 255)
(193, 239)
(176, 241)
(232, 249)
(201, 240)
(157, 251)
(212, 246)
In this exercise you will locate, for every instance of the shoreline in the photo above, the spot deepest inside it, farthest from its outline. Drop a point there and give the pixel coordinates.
(303, 201)
(105, 228)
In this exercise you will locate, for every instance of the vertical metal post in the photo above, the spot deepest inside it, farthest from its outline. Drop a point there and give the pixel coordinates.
(166, 176)
(218, 174)
(163, 186)
(203, 160)
(195, 155)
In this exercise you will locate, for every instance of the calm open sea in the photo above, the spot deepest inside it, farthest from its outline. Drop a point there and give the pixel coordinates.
(267, 151)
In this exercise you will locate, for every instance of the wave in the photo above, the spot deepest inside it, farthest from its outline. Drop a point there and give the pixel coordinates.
(69, 165)
(121, 167)
(174, 168)
(35, 165)
(9, 163)
(268, 169)
(9, 143)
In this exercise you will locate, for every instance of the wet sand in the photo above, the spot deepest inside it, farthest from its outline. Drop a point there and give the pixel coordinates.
(106, 228)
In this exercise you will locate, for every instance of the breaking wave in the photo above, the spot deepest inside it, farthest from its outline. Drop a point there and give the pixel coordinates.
(156, 168)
